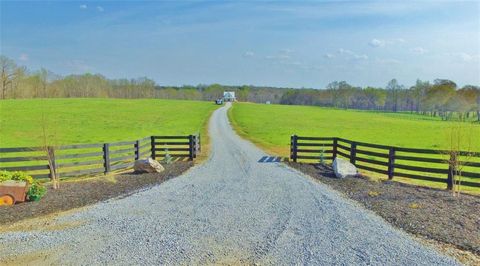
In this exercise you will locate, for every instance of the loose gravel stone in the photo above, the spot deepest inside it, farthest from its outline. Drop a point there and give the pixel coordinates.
(231, 209)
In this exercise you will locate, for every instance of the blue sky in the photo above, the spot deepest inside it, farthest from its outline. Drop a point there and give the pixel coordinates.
(287, 44)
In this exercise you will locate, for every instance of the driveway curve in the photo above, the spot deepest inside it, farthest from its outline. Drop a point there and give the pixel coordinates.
(232, 209)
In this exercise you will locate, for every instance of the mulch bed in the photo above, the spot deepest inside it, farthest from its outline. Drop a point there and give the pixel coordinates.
(432, 213)
(74, 194)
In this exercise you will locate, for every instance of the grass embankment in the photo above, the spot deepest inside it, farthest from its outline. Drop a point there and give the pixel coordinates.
(270, 127)
(71, 121)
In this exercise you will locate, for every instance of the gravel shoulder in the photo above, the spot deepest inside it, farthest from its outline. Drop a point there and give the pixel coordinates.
(232, 209)
(430, 213)
(84, 192)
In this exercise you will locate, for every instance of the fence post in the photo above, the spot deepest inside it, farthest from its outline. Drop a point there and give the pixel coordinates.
(294, 151)
(391, 162)
(199, 143)
(152, 147)
(335, 143)
(106, 157)
(190, 146)
(137, 149)
(451, 170)
(291, 147)
(353, 152)
(194, 137)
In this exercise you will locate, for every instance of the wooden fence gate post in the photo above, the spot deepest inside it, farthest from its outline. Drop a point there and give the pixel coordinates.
(194, 144)
(353, 152)
(199, 143)
(294, 148)
(106, 157)
(137, 149)
(334, 148)
(391, 162)
(190, 147)
(152, 145)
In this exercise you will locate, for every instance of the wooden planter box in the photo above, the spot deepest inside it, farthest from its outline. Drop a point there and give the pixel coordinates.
(15, 189)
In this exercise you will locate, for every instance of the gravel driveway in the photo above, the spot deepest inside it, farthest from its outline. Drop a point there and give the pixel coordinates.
(231, 209)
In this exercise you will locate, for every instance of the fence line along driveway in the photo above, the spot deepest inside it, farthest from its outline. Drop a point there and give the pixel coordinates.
(235, 209)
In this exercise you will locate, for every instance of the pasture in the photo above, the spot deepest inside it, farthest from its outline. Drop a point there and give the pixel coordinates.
(270, 126)
(71, 121)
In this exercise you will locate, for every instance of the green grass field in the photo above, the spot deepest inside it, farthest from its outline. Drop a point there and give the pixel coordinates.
(270, 127)
(73, 121)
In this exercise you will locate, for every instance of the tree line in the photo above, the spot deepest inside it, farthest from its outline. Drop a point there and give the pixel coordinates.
(441, 98)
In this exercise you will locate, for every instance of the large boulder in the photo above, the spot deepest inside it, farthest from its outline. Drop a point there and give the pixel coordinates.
(344, 168)
(147, 166)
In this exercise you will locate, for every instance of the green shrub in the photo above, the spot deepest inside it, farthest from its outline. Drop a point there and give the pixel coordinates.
(5, 175)
(168, 159)
(21, 176)
(36, 192)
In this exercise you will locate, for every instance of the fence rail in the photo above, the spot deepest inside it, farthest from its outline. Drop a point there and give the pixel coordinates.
(89, 159)
(439, 166)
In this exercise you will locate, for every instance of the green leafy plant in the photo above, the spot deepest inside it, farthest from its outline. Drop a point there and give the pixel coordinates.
(21, 176)
(36, 191)
(168, 159)
(5, 175)
(322, 155)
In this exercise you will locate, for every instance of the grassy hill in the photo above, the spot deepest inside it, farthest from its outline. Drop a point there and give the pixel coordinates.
(71, 121)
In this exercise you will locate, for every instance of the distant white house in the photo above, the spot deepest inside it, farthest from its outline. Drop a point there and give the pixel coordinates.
(229, 96)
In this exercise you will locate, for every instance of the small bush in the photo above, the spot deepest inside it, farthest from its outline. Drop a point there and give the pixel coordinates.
(4, 176)
(168, 159)
(36, 192)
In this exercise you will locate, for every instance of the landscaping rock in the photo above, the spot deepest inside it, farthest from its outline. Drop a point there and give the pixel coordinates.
(342, 168)
(148, 166)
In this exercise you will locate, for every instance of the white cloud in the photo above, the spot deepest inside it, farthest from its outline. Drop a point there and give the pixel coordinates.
(345, 51)
(377, 43)
(361, 57)
(23, 57)
(465, 57)
(419, 50)
(248, 54)
(100, 9)
(382, 43)
(83, 6)
(329, 56)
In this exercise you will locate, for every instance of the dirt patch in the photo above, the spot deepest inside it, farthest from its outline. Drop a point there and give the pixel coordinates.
(431, 213)
(74, 194)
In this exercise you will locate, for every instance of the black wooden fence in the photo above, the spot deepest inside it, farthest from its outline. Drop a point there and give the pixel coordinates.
(421, 164)
(91, 159)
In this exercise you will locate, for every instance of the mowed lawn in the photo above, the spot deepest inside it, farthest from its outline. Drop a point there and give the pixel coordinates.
(271, 126)
(71, 121)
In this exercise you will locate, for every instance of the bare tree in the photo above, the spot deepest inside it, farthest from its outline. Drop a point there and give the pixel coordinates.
(49, 142)
(459, 154)
(8, 73)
